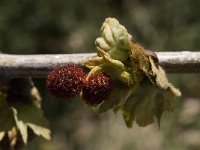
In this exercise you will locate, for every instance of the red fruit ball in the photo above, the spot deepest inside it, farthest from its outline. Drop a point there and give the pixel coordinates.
(65, 81)
(96, 89)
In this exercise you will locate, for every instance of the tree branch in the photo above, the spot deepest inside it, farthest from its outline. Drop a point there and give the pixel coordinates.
(180, 62)
(40, 65)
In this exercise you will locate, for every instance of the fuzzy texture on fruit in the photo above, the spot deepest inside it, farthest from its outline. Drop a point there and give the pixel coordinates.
(96, 89)
(65, 81)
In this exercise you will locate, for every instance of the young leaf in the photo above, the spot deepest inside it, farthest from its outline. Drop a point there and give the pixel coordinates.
(116, 99)
(143, 107)
(161, 80)
(148, 93)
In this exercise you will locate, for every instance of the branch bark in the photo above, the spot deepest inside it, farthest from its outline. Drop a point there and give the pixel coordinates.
(40, 65)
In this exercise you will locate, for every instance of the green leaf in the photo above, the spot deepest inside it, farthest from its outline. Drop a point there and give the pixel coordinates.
(144, 111)
(21, 126)
(6, 117)
(40, 131)
(28, 115)
(128, 110)
(93, 62)
(118, 97)
(147, 103)
(2, 135)
(21, 118)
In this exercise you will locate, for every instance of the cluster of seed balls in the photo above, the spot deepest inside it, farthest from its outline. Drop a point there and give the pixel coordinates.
(67, 81)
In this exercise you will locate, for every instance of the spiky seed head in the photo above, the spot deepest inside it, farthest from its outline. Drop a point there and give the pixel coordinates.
(96, 89)
(65, 81)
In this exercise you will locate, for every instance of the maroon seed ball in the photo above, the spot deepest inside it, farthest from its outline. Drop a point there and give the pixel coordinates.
(65, 81)
(96, 89)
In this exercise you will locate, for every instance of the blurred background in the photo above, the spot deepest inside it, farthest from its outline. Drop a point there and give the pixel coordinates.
(69, 26)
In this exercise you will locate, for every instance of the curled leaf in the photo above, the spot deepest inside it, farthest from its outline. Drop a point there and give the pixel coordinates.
(161, 79)
(114, 39)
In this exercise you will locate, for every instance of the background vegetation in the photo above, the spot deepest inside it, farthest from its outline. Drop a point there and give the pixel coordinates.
(40, 27)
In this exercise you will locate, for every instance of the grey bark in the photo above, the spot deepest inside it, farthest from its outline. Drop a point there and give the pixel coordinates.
(40, 65)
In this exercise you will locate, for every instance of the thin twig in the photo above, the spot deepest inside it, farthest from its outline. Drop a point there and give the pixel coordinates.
(40, 65)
